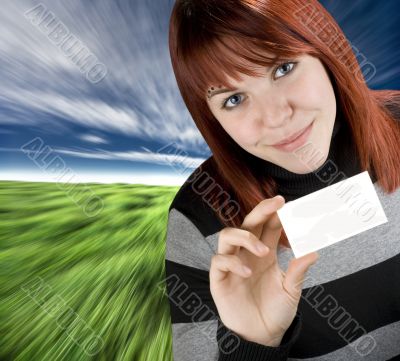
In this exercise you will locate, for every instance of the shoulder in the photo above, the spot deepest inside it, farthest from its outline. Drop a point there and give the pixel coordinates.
(190, 201)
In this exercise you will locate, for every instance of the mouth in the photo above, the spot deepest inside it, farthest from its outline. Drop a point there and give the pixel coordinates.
(295, 141)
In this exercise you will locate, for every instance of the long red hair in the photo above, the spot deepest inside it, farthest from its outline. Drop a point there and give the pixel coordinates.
(206, 39)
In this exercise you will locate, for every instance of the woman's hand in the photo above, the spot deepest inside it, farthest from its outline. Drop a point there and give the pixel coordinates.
(261, 305)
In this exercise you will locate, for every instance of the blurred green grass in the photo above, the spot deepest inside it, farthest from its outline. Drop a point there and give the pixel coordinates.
(106, 268)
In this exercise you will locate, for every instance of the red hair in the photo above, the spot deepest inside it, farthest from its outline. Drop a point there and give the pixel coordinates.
(207, 41)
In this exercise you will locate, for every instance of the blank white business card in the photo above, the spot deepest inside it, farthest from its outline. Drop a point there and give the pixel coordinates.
(331, 214)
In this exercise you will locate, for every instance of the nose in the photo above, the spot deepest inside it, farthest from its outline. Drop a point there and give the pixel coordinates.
(273, 110)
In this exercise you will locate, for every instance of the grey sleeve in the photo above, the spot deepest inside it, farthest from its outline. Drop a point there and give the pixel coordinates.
(188, 257)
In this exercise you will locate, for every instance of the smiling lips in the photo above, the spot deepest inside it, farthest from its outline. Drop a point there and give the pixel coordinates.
(296, 140)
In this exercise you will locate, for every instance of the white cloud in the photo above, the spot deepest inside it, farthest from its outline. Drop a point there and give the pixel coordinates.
(93, 139)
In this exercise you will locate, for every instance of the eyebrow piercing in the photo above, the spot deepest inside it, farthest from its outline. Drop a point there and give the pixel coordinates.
(212, 88)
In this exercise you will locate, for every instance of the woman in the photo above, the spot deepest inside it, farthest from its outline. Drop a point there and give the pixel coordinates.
(276, 91)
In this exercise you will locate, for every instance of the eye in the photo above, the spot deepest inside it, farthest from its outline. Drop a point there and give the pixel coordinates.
(233, 97)
(286, 67)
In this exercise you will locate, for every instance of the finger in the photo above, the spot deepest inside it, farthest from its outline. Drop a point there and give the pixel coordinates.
(274, 222)
(296, 271)
(261, 213)
(231, 239)
(221, 265)
(271, 232)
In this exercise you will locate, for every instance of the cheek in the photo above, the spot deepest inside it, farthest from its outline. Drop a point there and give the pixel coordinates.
(314, 91)
(243, 133)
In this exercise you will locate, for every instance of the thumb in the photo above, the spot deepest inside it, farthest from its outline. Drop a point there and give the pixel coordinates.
(296, 271)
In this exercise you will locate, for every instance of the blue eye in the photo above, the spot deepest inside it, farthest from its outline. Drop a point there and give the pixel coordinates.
(286, 69)
(225, 102)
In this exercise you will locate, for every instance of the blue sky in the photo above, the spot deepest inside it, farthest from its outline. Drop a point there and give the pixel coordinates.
(116, 129)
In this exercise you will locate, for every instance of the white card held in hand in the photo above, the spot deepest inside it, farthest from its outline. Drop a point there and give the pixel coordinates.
(331, 214)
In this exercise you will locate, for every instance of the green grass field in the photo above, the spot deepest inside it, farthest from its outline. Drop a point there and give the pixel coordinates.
(79, 287)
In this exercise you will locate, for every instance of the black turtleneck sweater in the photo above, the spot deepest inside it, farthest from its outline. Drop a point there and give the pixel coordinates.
(356, 277)
(342, 158)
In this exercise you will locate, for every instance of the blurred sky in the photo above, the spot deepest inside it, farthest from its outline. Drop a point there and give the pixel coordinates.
(112, 130)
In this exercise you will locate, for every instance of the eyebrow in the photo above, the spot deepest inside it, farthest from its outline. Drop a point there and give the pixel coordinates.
(219, 91)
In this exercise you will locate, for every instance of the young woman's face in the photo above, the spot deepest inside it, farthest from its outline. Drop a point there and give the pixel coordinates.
(265, 111)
